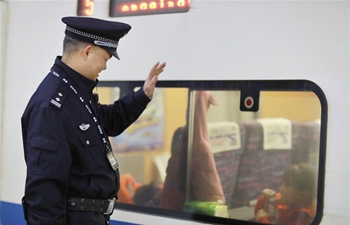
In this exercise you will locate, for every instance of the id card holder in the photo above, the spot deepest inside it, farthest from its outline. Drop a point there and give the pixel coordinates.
(112, 160)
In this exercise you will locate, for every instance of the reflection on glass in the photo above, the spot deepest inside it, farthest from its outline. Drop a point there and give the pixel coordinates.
(195, 151)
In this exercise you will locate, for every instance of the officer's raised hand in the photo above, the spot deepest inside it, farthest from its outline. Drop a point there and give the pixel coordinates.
(150, 82)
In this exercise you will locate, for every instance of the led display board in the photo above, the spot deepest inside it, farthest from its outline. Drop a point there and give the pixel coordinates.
(119, 8)
(85, 7)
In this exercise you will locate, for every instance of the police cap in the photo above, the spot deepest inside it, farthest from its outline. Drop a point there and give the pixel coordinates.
(102, 33)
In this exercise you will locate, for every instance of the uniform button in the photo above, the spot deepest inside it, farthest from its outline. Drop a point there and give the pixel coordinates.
(72, 203)
(82, 200)
(87, 142)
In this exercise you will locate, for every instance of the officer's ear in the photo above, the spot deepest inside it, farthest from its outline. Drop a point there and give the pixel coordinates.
(86, 52)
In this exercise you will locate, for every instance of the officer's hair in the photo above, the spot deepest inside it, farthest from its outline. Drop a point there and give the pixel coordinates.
(71, 45)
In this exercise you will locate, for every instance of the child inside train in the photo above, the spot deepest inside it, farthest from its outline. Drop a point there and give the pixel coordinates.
(295, 204)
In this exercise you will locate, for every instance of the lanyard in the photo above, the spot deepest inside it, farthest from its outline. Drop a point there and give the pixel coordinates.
(110, 156)
(86, 106)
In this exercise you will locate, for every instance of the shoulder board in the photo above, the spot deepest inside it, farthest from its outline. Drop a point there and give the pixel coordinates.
(58, 98)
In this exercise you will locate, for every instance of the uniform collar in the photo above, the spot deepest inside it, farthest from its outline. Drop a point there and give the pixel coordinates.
(80, 82)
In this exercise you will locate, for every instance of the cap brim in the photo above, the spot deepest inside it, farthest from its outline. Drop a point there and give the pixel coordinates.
(115, 54)
(111, 51)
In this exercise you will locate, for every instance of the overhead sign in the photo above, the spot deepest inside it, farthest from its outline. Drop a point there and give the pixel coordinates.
(118, 8)
(85, 8)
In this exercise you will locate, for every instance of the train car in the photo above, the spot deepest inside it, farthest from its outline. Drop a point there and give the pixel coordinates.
(250, 88)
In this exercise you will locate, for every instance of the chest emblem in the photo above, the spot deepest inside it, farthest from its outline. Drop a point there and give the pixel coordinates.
(84, 126)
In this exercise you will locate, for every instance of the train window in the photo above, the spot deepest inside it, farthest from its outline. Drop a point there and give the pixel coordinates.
(224, 151)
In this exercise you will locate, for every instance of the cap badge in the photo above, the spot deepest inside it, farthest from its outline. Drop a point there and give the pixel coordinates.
(84, 126)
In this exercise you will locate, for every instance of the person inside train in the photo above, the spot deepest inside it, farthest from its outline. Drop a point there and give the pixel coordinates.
(133, 192)
(295, 204)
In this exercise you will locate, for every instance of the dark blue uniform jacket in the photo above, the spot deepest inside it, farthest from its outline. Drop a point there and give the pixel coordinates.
(63, 149)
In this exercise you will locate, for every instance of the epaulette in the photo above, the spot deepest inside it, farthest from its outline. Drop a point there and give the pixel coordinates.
(58, 98)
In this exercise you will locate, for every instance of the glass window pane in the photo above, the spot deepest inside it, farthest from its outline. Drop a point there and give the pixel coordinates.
(197, 151)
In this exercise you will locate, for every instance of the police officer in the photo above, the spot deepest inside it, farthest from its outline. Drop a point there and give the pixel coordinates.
(72, 174)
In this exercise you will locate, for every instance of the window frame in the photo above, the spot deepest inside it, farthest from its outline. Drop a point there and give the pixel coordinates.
(246, 87)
